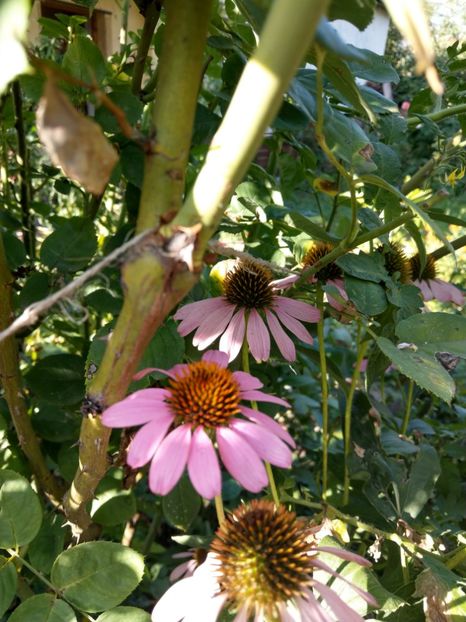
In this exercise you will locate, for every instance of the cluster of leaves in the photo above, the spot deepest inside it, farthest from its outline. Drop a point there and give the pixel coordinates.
(407, 503)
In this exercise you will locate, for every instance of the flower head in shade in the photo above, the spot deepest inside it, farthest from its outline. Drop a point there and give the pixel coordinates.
(396, 261)
(198, 412)
(431, 287)
(250, 306)
(261, 566)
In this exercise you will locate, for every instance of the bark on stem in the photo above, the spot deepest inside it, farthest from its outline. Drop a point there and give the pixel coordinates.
(149, 274)
(10, 378)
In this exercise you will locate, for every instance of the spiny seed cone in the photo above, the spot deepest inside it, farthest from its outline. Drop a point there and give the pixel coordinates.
(429, 272)
(316, 252)
(263, 554)
(205, 394)
(248, 285)
(396, 261)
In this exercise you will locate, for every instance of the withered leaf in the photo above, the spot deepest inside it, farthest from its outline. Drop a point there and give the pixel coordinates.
(73, 141)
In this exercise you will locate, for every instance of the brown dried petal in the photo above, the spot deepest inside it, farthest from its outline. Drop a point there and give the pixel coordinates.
(73, 141)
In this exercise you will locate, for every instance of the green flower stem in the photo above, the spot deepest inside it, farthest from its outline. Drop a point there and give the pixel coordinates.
(151, 19)
(443, 250)
(219, 509)
(286, 37)
(10, 378)
(409, 404)
(324, 385)
(361, 351)
(457, 558)
(268, 467)
(153, 281)
(438, 116)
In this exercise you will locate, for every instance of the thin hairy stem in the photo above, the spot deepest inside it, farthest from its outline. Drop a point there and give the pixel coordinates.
(151, 19)
(324, 386)
(409, 404)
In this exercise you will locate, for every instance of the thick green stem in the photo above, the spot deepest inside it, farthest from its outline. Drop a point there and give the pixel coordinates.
(24, 174)
(285, 38)
(179, 74)
(443, 250)
(438, 116)
(324, 385)
(10, 378)
(219, 509)
(154, 279)
(361, 351)
(151, 19)
(409, 404)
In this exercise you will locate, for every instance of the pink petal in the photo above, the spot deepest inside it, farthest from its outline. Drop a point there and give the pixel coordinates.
(258, 337)
(212, 326)
(284, 283)
(311, 610)
(215, 356)
(199, 308)
(446, 292)
(140, 407)
(297, 309)
(203, 467)
(242, 615)
(425, 289)
(266, 444)
(246, 381)
(232, 339)
(178, 600)
(344, 554)
(208, 612)
(142, 373)
(269, 423)
(260, 396)
(362, 593)
(294, 326)
(180, 570)
(146, 441)
(337, 605)
(170, 460)
(241, 460)
(284, 343)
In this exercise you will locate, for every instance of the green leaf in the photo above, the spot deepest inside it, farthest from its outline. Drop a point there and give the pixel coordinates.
(368, 297)
(36, 287)
(8, 582)
(425, 370)
(359, 13)
(113, 507)
(43, 608)
(128, 102)
(55, 424)
(381, 183)
(132, 163)
(57, 379)
(306, 225)
(84, 60)
(422, 477)
(362, 266)
(14, 16)
(435, 332)
(124, 614)
(165, 349)
(97, 575)
(48, 544)
(327, 37)
(14, 250)
(71, 246)
(374, 68)
(20, 511)
(358, 575)
(181, 505)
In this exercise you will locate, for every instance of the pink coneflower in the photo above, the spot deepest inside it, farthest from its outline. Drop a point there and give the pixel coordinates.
(249, 297)
(193, 559)
(260, 566)
(202, 405)
(431, 287)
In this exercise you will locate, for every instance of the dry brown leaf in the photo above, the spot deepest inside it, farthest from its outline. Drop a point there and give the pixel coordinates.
(74, 142)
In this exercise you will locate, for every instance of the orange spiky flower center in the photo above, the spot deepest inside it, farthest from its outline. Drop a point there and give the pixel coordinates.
(314, 254)
(204, 394)
(248, 285)
(263, 554)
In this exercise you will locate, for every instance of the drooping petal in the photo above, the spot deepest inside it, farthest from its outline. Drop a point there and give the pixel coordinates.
(341, 610)
(362, 593)
(446, 292)
(208, 612)
(266, 444)
(242, 615)
(215, 356)
(344, 554)
(212, 326)
(136, 409)
(246, 381)
(258, 337)
(267, 422)
(232, 339)
(170, 460)
(284, 343)
(180, 571)
(311, 610)
(294, 326)
(203, 466)
(146, 441)
(285, 282)
(289, 613)
(260, 396)
(199, 308)
(241, 460)
(425, 289)
(179, 599)
(297, 309)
